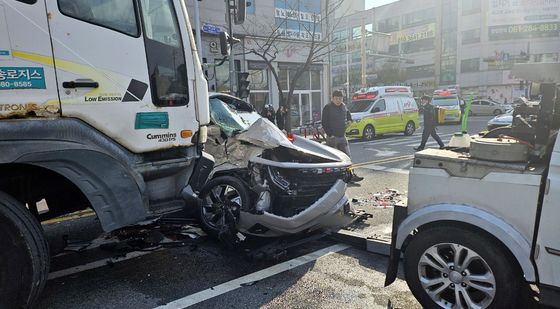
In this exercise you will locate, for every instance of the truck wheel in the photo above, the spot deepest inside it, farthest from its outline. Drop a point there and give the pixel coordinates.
(369, 133)
(24, 255)
(409, 129)
(449, 267)
(222, 199)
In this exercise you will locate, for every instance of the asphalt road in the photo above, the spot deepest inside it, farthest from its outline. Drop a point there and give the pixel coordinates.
(319, 274)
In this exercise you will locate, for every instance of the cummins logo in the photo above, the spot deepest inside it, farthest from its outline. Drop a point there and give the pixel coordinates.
(162, 138)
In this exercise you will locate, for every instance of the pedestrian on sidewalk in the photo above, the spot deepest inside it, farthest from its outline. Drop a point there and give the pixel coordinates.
(430, 124)
(334, 120)
(268, 113)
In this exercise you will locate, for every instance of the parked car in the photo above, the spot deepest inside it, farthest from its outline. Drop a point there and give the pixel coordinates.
(487, 107)
(265, 184)
(501, 120)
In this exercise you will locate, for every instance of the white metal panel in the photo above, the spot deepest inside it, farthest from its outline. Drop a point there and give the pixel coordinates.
(548, 239)
(25, 45)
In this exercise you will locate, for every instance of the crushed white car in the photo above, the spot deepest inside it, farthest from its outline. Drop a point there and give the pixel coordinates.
(265, 184)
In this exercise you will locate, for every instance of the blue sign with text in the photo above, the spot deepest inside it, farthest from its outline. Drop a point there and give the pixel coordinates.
(22, 78)
(212, 29)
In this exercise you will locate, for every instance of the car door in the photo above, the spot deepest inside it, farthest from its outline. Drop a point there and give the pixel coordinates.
(122, 68)
(27, 76)
(547, 254)
(486, 107)
(475, 107)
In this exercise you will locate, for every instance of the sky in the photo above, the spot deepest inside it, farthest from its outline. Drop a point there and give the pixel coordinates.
(374, 3)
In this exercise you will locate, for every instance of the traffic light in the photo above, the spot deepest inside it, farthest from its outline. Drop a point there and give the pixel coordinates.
(243, 85)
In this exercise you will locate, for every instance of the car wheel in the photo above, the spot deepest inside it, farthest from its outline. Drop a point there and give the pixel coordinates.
(369, 133)
(222, 199)
(497, 112)
(450, 267)
(409, 129)
(24, 255)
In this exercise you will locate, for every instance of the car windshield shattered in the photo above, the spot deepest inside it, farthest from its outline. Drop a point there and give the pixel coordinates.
(227, 117)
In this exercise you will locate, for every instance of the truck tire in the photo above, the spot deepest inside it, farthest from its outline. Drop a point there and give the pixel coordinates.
(369, 133)
(222, 199)
(24, 255)
(451, 267)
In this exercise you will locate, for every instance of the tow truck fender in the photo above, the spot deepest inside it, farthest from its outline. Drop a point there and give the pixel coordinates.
(510, 237)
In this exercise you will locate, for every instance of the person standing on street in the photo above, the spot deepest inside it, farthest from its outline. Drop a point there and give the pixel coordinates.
(268, 113)
(430, 124)
(335, 117)
(281, 117)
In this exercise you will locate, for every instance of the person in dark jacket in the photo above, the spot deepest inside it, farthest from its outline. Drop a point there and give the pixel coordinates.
(430, 124)
(335, 117)
(281, 116)
(268, 113)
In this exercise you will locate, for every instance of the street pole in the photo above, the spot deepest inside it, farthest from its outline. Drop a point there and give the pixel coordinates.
(231, 58)
(198, 35)
(363, 53)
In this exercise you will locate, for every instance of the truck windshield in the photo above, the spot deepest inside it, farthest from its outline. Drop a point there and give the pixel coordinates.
(359, 106)
(166, 57)
(445, 102)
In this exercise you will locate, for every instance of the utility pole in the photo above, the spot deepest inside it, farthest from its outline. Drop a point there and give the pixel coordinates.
(231, 58)
(363, 53)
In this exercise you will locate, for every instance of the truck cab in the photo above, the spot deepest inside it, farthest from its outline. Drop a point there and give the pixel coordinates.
(103, 105)
(480, 223)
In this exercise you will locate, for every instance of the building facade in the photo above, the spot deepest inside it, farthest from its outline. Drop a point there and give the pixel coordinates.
(294, 22)
(437, 43)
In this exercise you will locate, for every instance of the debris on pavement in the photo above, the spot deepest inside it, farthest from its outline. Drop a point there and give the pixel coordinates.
(385, 199)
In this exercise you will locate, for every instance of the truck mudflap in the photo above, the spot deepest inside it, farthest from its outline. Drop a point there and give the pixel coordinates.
(202, 169)
(400, 212)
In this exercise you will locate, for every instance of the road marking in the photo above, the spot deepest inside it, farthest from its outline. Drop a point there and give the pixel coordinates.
(388, 160)
(419, 139)
(430, 143)
(96, 264)
(381, 168)
(78, 215)
(232, 285)
(382, 153)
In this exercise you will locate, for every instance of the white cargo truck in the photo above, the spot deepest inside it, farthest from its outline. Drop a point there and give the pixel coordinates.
(103, 104)
(481, 224)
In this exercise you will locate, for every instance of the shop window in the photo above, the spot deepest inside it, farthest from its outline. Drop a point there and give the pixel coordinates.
(470, 36)
(470, 65)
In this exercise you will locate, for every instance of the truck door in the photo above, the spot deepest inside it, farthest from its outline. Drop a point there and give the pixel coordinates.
(27, 76)
(394, 114)
(548, 240)
(122, 68)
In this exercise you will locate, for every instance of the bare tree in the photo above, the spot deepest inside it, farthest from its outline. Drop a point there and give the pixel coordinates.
(317, 37)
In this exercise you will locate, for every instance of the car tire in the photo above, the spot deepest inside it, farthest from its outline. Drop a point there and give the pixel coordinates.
(409, 129)
(369, 133)
(219, 212)
(497, 112)
(24, 255)
(430, 267)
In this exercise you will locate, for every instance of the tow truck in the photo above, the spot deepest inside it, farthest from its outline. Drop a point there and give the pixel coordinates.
(480, 225)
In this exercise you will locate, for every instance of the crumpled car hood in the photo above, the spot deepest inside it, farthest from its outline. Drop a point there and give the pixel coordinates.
(266, 135)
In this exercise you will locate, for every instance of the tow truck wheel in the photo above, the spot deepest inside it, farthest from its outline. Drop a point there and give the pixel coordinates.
(369, 133)
(409, 129)
(449, 267)
(222, 199)
(24, 255)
